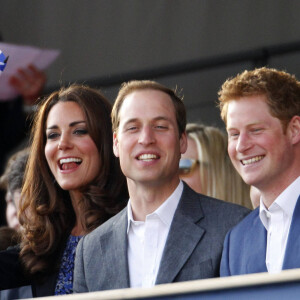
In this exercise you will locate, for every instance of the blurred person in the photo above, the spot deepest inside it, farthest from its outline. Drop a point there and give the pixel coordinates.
(72, 184)
(10, 237)
(11, 181)
(15, 115)
(261, 110)
(29, 83)
(167, 233)
(11, 212)
(206, 166)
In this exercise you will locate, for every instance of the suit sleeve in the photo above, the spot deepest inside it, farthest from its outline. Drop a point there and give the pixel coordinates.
(224, 268)
(79, 284)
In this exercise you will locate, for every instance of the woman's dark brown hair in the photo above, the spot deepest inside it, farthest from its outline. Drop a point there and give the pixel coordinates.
(46, 212)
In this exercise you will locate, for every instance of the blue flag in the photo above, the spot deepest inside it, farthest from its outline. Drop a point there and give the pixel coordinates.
(3, 61)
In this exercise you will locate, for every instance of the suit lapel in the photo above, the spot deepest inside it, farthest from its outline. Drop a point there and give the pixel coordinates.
(183, 237)
(292, 252)
(114, 249)
(255, 247)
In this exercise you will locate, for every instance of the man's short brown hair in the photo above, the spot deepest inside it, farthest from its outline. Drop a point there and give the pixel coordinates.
(139, 85)
(281, 89)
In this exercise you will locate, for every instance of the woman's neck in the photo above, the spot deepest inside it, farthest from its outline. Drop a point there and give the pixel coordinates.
(78, 229)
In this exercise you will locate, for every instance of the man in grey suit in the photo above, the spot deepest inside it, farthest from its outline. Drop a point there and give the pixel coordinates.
(167, 233)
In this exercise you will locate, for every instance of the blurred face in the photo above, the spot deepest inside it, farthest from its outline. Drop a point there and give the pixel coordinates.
(147, 141)
(11, 211)
(17, 198)
(192, 174)
(71, 153)
(257, 146)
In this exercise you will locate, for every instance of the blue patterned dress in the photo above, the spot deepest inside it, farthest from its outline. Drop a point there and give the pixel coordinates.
(64, 283)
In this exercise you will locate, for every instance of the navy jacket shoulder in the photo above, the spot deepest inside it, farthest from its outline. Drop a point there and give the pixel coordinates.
(245, 246)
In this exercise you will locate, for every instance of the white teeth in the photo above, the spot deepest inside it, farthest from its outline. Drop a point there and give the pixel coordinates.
(68, 160)
(147, 157)
(252, 160)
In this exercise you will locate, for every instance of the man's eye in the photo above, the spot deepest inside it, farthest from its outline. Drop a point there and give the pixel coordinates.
(233, 134)
(132, 128)
(256, 129)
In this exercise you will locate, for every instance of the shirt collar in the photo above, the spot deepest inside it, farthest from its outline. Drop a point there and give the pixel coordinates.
(165, 211)
(286, 201)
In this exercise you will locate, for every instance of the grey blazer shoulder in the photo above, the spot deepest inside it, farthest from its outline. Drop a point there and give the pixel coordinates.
(192, 251)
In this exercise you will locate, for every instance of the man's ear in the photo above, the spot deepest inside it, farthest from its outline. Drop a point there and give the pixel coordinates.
(115, 144)
(183, 142)
(294, 129)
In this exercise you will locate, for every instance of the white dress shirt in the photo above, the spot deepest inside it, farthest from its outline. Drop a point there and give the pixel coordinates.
(277, 221)
(146, 240)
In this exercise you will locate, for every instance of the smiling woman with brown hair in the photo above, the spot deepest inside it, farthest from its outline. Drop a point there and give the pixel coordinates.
(73, 183)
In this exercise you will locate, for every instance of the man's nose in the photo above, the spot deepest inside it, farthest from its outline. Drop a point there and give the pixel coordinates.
(243, 143)
(147, 136)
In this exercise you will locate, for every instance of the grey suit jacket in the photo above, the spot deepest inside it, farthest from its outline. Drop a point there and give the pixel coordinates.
(193, 248)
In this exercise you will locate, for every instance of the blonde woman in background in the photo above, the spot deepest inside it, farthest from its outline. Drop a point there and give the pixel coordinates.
(206, 166)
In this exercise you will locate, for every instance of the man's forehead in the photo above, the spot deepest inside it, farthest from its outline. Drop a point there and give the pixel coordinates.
(140, 104)
(145, 94)
(141, 119)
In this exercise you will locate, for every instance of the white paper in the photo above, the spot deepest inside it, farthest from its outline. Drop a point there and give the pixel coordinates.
(21, 57)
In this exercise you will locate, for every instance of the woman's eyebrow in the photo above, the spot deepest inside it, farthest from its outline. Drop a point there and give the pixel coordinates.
(70, 125)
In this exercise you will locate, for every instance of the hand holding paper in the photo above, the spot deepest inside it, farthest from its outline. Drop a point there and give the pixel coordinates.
(29, 83)
(22, 69)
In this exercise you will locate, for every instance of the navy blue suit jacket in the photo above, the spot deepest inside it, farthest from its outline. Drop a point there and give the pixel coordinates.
(244, 249)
